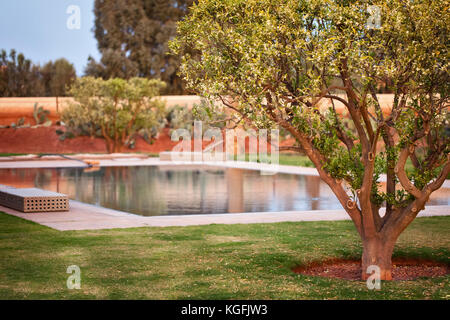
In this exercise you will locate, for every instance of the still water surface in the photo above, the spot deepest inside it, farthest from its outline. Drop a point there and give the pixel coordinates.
(175, 190)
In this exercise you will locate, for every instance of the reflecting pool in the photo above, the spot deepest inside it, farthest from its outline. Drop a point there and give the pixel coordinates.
(176, 190)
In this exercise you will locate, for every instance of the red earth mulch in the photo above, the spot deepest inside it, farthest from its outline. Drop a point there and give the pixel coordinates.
(402, 269)
(45, 140)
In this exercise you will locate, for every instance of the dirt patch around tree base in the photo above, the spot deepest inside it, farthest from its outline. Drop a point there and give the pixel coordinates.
(402, 269)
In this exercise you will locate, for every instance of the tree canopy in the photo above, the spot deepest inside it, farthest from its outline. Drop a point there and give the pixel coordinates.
(132, 36)
(58, 76)
(20, 77)
(275, 61)
(115, 109)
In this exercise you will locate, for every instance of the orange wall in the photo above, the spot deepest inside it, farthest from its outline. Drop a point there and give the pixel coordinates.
(12, 109)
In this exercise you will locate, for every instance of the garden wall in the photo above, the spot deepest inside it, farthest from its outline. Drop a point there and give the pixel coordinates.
(12, 109)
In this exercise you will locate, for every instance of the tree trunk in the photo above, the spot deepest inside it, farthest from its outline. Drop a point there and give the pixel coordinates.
(117, 147)
(377, 252)
(108, 146)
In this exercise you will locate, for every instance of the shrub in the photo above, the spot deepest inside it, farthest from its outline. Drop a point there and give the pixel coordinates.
(116, 110)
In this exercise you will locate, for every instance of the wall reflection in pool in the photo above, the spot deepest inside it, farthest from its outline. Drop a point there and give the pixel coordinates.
(175, 190)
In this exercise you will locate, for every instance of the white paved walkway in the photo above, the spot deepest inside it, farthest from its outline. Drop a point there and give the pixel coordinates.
(84, 216)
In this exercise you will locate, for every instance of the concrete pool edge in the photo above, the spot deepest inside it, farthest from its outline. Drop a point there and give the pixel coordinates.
(157, 162)
(84, 216)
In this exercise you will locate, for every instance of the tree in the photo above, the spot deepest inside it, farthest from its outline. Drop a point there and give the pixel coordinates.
(19, 77)
(115, 109)
(58, 76)
(113, 64)
(277, 60)
(132, 36)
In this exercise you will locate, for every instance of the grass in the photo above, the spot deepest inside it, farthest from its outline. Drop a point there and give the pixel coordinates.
(204, 262)
(292, 159)
(303, 161)
(6, 154)
(284, 159)
(295, 160)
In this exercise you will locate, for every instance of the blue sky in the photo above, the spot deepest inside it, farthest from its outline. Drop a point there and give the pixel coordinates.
(38, 29)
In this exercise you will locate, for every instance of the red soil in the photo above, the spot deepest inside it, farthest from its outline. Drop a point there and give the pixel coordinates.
(45, 140)
(402, 269)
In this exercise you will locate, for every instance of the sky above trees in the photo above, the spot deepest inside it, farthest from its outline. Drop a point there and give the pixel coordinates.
(39, 30)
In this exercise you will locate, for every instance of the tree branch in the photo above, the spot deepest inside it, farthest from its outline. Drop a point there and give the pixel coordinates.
(401, 173)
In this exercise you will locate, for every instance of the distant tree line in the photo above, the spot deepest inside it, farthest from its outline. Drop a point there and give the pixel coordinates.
(132, 37)
(20, 77)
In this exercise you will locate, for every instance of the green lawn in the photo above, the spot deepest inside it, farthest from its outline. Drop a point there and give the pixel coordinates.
(290, 159)
(204, 262)
(5, 154)
(295, 160)
(303, 161)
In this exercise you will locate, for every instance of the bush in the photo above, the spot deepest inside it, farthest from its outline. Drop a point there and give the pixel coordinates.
(116, 110)
(181, 117)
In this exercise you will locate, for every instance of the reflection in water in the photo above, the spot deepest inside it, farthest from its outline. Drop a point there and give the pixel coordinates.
(235, 189)
(172, 190)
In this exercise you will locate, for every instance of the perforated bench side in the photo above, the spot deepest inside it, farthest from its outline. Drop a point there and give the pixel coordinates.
(33, 200)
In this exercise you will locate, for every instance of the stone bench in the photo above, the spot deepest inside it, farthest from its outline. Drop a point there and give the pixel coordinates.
(33, 199)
